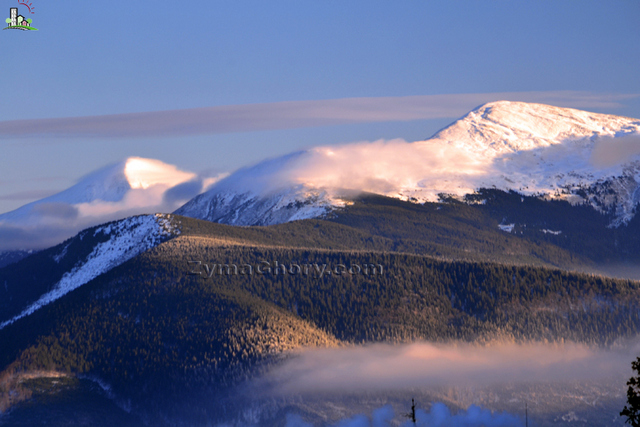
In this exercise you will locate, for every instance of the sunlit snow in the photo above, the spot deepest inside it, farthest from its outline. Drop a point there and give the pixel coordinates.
(530, 148)
(132, 187)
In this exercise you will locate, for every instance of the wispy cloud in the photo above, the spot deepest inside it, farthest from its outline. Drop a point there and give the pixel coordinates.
(27, 195)
(288, 115)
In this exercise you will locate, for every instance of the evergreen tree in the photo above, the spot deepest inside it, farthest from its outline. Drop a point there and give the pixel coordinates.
(632, 410)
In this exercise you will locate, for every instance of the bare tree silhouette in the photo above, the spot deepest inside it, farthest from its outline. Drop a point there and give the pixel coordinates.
(412, 415)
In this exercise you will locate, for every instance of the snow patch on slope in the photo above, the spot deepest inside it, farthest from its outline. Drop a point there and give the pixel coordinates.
(556, 233)
(128, 238)
(262, 195)
(506, 227)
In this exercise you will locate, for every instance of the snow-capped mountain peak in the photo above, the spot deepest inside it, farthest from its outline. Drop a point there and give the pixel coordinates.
(111, 184)
(534, 149)
(506, 126)
(130, 187)
(531, 148)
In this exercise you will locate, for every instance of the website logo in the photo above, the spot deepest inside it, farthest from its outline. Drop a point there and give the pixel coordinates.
(19, 22)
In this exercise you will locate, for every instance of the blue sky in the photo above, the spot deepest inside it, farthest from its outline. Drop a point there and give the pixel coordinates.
(96, 58)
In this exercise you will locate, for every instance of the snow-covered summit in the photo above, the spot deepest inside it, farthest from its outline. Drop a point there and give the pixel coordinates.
(130, 187)
(531, 148)
(267, 193)
(505, 126)
(110, 184)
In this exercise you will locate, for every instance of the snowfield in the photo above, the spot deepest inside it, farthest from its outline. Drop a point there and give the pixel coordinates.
(506, 227)
(128, 238)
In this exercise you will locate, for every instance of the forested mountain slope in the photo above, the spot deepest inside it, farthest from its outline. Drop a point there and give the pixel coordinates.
(177, 325)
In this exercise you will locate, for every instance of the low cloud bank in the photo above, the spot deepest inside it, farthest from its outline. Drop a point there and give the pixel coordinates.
(424, 365)
(428, 366)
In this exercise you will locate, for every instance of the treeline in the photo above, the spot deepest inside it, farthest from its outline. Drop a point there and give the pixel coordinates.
(424, 298)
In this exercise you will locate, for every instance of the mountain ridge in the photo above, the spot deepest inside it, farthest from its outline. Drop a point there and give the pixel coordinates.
(170, 343)
(540, 233)
(534, 149)
(79, 260)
